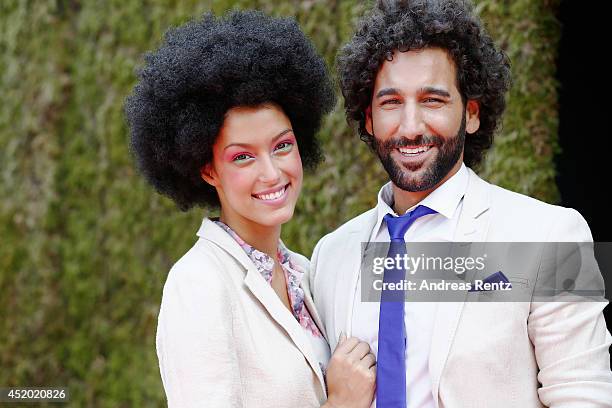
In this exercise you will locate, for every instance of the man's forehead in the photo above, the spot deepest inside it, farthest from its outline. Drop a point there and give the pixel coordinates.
(417, 69)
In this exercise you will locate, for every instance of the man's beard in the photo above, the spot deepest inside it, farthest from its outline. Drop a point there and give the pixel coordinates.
(449, 152)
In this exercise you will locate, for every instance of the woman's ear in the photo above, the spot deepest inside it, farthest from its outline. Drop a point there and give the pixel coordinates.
(472, 116)
(208, 174)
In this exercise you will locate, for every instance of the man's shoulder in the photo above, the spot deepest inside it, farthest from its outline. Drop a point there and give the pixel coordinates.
(359, 224)
(514, 202)
(534, 219)
(505, 199)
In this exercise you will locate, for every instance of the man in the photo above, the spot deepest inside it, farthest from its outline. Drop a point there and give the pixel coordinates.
(425, 86)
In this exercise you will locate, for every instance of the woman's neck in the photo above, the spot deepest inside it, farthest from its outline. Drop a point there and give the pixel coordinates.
(261, 237)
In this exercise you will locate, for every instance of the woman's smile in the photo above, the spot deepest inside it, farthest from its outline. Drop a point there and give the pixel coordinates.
(274, 196)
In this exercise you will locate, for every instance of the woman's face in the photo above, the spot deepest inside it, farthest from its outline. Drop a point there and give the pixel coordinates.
(256, 167)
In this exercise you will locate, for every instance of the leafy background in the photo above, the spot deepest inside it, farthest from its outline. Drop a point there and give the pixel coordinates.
(85, 244)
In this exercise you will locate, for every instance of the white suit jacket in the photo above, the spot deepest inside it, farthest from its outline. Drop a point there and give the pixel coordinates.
(503, 354)
(225, 339)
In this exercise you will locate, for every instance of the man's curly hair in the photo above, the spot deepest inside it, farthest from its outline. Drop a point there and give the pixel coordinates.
(203, 69)
(483, 72)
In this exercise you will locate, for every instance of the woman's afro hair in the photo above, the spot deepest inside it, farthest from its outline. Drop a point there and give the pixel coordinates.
(483, 72)
(203, 69)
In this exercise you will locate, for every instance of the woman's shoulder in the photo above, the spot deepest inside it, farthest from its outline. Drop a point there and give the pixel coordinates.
(195, 298)
(199, 273)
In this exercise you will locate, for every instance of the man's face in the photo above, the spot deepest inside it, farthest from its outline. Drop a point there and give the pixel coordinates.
(418, 119)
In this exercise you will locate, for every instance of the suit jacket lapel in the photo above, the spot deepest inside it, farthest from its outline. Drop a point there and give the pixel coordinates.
(472, 228)
(344, 311)
(312, 308)
(304, 263)
(270, 301)
(473, 221)
(264, 293)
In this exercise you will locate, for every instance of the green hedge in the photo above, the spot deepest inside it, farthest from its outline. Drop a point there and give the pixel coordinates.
(85, 245)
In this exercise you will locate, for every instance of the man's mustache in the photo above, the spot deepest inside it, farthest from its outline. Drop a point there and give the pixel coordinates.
(414, 142)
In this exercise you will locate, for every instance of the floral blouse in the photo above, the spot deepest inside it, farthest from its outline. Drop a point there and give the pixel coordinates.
(293, 276)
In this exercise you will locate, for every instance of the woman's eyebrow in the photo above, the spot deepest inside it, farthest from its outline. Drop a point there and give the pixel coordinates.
(281, 134)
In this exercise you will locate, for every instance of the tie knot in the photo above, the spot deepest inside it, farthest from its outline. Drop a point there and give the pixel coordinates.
(398, 226)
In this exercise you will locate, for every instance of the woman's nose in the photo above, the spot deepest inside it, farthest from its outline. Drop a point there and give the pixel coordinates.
(270, 172)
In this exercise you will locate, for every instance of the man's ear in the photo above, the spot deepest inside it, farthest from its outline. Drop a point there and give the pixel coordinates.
(208, 174)
(472, 115)
(368, 120)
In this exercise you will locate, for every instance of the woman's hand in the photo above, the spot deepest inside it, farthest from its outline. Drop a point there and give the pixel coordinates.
(351, 375)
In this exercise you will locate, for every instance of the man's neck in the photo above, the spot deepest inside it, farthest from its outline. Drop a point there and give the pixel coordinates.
(403, 200)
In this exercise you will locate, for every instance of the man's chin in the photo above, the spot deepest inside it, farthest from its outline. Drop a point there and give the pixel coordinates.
(413, 181)
(414, 170)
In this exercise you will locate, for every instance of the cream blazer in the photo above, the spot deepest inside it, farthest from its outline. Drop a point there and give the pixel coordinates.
(486, 354)
(225, 339)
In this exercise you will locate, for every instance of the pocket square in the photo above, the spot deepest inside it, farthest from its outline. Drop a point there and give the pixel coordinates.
(497, 277)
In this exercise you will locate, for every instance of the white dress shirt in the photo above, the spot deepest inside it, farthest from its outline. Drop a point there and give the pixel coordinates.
(447, 201)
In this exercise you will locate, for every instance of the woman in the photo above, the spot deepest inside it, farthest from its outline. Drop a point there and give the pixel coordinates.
(224, 114)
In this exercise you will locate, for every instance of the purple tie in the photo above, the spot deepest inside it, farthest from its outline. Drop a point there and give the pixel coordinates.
(391, 364)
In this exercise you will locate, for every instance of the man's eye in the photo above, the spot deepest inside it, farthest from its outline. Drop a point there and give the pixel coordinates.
(390, 102)
(433, 100)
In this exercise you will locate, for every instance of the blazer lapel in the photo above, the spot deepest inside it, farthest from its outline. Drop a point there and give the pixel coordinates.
(264, 293)
(354, 256)
(270, 301)
(312, 308)
(473, 221)
(471, 230)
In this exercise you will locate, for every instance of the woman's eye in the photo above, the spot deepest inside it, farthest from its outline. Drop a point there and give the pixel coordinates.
(241, 158)
(283, 146)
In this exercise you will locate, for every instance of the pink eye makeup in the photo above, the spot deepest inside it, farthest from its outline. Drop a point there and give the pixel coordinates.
(284, 146)
(233, 155)
(238, 156)
(242, 157)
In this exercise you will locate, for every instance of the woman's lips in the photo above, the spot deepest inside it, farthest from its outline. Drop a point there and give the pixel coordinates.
(273, 195)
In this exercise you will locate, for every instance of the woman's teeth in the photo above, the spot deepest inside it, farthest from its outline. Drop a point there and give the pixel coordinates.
(272, 196)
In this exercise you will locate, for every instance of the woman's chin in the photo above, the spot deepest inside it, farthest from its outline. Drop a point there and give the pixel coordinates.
(273, 215)
(275, 218)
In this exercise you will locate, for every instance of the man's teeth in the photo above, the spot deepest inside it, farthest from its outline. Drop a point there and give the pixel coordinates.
(271, 196)
(414, 150)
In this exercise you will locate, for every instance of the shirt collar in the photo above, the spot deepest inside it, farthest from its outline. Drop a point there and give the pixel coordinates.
(263, 262)
(445, 199)
(293, 275)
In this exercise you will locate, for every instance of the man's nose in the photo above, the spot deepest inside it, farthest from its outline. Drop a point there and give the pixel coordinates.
(412, 123)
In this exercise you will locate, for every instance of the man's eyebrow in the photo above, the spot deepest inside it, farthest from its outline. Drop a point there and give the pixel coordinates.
(281, 134)
(435, 91)
(387, 91)
(424, 90)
